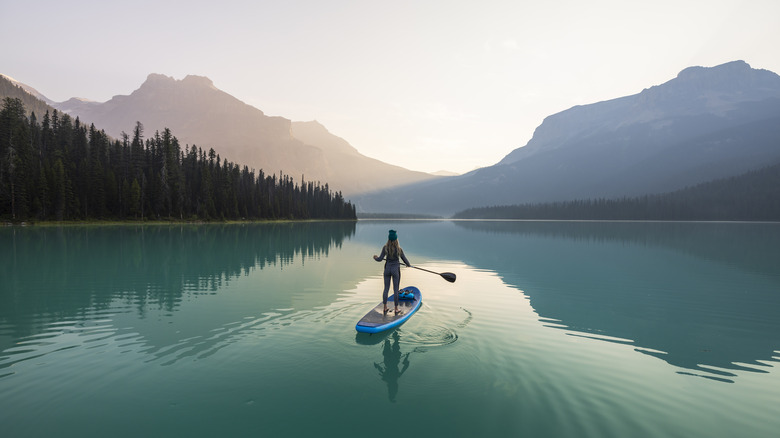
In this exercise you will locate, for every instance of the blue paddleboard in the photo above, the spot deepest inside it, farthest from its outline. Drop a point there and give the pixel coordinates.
(377, 321)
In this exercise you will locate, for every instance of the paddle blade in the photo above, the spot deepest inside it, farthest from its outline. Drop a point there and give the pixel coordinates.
(449, 276)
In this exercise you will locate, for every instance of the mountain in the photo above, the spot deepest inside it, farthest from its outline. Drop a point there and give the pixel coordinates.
(342, 162)
(30, 90)
(705, 124)
(62, 169)
(201, 114)
(34, 102)
(752, 196)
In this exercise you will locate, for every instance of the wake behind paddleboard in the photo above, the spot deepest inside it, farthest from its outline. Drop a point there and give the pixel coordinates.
(377, 321)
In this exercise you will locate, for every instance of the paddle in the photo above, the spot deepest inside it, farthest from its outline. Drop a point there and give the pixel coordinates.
(449, 276)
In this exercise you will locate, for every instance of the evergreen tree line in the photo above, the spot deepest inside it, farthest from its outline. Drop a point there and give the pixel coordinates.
(753, 196)
(61, 169)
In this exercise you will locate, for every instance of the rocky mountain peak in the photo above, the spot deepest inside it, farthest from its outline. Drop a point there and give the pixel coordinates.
(696, 73)
(158, 79)
(732, 77)
(696, 91)
(156, 82)
(198, 81)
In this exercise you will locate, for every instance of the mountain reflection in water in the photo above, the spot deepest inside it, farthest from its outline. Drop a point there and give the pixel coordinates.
(701, 296)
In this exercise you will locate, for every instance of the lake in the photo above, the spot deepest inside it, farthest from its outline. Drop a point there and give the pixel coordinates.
(552, 329)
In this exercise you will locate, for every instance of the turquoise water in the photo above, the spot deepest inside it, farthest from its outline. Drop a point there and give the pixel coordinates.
(552, 329)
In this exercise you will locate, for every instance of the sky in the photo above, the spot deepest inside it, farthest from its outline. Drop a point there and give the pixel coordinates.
(427, 85)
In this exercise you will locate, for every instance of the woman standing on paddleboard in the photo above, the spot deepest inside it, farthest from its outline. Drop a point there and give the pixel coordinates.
(394, 254)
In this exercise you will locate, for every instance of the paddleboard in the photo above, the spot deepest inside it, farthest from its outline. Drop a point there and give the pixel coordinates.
(377, 321)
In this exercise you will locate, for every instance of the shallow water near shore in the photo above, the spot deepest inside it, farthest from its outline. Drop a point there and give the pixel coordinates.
(552, 329)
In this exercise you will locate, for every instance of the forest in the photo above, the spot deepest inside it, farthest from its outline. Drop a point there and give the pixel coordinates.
(59, 169)
(753, 196)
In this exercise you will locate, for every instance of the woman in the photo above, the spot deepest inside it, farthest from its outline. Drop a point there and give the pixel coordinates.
(393, 252)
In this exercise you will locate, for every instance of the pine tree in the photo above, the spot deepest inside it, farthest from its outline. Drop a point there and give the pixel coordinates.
(62, 169)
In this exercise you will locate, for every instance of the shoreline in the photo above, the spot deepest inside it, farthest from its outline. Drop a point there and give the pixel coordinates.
(47, 224)
(157, 222)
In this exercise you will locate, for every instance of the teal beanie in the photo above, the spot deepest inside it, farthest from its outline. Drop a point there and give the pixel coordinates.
(392, 235)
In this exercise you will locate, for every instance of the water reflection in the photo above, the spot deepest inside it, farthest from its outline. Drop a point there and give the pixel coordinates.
(749, 246)
(153, 262)
(67, 282)
(372, 338)
(393, 366)
(437, 332)
(699, 296)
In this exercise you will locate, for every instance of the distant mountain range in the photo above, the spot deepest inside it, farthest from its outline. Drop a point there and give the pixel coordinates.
(752, 196)
(705, 124)
(200, 114)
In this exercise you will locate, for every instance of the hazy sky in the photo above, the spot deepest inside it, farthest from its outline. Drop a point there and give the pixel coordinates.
(427, 85)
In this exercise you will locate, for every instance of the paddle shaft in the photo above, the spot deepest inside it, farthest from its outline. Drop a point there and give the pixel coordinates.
(423, 269)
(449, 276)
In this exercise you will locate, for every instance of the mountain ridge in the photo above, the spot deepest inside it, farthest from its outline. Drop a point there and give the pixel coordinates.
(703, 89)
(30, 90)
(203, 115)
(704, 124)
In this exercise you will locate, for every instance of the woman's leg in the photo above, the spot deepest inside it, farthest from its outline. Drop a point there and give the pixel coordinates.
(396, 282)
(386, 290)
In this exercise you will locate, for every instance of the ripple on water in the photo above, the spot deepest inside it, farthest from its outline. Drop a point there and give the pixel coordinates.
(437, 334)
(431, 337)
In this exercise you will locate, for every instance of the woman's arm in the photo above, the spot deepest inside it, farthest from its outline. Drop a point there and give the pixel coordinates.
(381, 256)
(403, 257)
